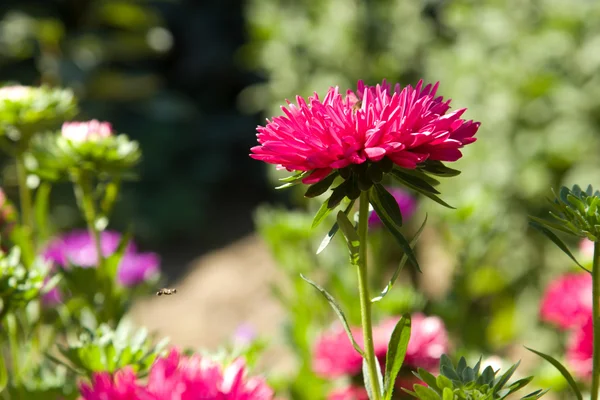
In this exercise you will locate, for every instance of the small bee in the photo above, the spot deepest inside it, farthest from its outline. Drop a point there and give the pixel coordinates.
(167, 292)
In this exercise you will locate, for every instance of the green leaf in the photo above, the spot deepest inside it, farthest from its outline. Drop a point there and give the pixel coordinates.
(420, 186)
(403, 260)
(395, 354)
(392, 226)
(503, 380)
(535, 395)
(428, 378)
(320, 187)
(327, 239)
(296, 177)
(338, 194)
(448, 394)
(439, 169)
(337, 309)
(352, 238)
(550, 224)
(557, 241)
(367, 379)
(389, 203)
(321, 215)
(3, 375)
(560, 369)
(111, 191)
(425, 393)
(42, 199)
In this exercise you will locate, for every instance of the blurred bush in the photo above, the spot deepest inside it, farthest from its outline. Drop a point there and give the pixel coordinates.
(164, 72)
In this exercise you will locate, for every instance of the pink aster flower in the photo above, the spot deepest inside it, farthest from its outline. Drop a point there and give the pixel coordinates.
(122, 386)
(586, 247)
(15, 93)
(428, 341)
(568, 300)
(178, 377)
(407, 125)
(405, 201)
(349, 393)
(86, 131)
(580, 349)
(77, 248)
(334, 355)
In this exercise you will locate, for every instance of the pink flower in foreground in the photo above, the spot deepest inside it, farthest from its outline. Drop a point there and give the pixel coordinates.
(121, 386)
(349, 393)
(406, 203)
(88, 130)
(568, 300)
(334, 356)
(586, 247)
(580, 349)
(177, 377)
(428, 341)
(409, 126)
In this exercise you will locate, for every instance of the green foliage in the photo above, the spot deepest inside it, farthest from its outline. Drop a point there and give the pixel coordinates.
(60, 159)
(39, 109)
(109, 350)
(20, 285)
(469, 383)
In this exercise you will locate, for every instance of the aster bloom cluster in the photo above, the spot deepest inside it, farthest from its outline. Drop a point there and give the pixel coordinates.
(25, 110)
(86, 131)
(77, 249)
(90, 148)
(179, 377)
(567, 303)
(407, 126)
(334, 356)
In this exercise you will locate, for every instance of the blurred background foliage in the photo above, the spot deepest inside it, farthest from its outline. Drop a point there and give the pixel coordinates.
(191, 79)
(166, 73)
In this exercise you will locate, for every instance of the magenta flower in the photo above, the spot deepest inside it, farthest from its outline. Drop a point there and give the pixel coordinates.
(183, 378)
(428, 341)
(580, 349)
(77, 248)
(121, 386)
(349, 393)
(568, 300)
(408, 126)
(334, 356)
(86, 131)
(406, 202)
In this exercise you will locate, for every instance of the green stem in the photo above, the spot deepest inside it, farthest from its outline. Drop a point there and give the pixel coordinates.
(365, 298)
(24, 194)
(85, 195)
(596, 321)
(13, 343)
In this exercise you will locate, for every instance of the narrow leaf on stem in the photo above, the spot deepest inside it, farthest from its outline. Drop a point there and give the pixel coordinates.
(391, 224)
(351, 236)
(560, 369)
(327, 239)
(337, 309)
(367, 379)
(403, 260)
(396, 353)
(557, 241)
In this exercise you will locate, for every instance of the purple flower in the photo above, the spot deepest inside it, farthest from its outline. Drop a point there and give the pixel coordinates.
(77, 248)
(406, 202)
